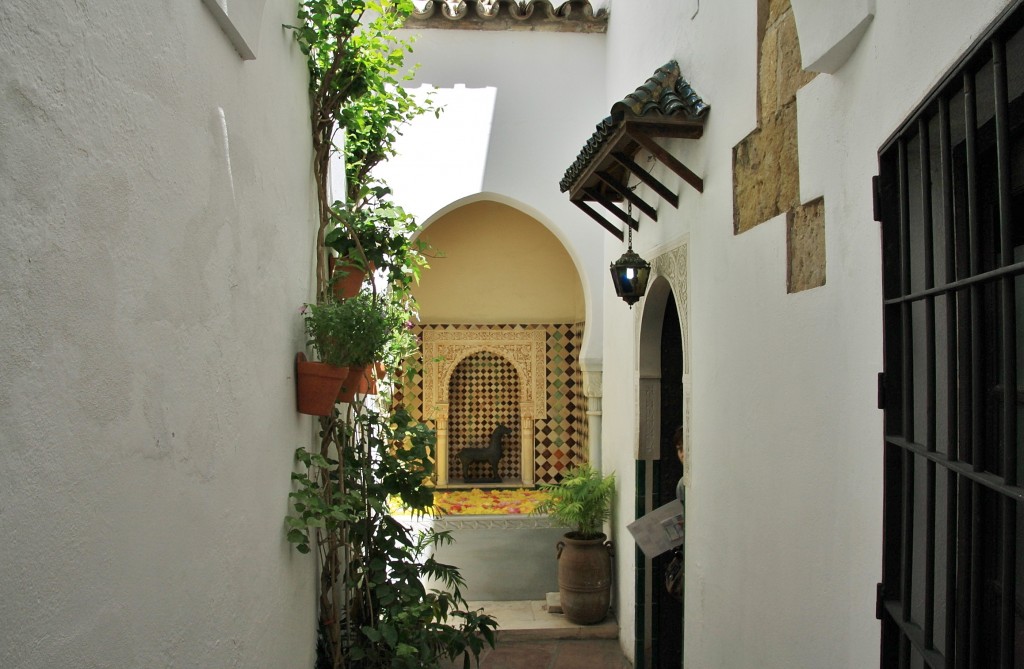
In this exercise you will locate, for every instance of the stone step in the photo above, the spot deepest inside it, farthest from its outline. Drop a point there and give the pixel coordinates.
(535, 621)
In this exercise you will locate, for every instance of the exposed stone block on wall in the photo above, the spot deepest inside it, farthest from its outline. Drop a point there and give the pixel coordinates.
(805, 245)
(791, 75)
(766, 171)
(766, 167)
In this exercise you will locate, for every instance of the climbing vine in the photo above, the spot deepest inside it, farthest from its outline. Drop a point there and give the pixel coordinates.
(357, 107)
(373, 608)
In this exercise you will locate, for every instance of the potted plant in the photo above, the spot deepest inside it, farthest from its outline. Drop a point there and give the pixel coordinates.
(369, 236)
(348, 336)
(369, 322)
(582, 500)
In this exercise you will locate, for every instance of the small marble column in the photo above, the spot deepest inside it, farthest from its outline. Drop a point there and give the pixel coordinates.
(441, 427)
(592, 392)
(528, 457)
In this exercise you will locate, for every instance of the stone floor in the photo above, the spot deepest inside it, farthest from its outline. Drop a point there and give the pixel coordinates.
(531, 638)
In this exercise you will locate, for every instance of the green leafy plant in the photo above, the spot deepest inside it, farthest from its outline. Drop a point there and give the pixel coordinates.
(372, 229)
(357, 107)
(375, 610)
(582, 500)
(355, 331)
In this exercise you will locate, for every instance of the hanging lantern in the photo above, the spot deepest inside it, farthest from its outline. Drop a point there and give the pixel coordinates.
(630, 274)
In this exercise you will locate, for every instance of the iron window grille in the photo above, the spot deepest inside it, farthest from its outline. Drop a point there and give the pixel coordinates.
(950, 186)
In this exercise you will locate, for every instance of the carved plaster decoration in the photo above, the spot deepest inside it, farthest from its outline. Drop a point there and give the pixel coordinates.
(672, 265)
(592, 382)
(526, 350)
(544, 15)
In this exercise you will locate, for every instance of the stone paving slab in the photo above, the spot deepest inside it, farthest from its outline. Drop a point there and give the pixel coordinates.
(530, 620)
(529, 637)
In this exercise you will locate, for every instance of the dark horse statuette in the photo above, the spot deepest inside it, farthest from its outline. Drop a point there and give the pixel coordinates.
(490, 454)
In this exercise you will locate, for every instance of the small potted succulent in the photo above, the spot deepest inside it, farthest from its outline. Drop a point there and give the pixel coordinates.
(583, 501)
(348, 336)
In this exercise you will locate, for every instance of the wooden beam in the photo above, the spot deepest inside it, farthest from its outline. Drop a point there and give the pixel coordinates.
(647, 178)
(599, 218)
(599, 196)
(684, 172)
(625, 192)
(661, 127)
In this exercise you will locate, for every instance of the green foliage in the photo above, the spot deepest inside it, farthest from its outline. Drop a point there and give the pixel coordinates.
(371, 228)
(374, 609)
(356, 66)
(582, 500)
(355, 331)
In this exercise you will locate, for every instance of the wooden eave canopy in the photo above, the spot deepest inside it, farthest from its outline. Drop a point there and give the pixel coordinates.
(664, 107)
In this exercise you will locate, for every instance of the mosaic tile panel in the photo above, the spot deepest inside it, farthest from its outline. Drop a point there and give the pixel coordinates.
(560, 438)
(555, 450)
(581, 423)
(483, 391)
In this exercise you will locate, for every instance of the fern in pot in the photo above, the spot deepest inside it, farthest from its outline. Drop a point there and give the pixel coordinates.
(583, 500)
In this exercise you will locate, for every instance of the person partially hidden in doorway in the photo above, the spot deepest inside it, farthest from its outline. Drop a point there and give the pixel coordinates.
(674, 570)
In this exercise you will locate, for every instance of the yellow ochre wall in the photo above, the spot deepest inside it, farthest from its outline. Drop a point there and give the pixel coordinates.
(498, 265)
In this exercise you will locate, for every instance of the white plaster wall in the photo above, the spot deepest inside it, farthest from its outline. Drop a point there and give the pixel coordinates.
(155, 245)
(519, 106)
(784, 504)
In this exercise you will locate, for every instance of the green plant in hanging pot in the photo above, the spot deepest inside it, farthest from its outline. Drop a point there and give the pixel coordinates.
(319, 381)
(353, 333)
(372, 233)
(582, 501)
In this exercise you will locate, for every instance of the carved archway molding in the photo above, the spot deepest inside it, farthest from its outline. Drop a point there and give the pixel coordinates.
(672, 267)
(526, 350)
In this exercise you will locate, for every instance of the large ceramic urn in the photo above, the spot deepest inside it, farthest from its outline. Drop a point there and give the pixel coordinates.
(585, 578)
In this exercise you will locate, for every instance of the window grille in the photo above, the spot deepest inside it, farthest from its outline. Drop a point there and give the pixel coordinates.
(949, 190)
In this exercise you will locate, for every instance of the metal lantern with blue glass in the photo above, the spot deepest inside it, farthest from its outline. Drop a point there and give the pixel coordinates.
(630, 274)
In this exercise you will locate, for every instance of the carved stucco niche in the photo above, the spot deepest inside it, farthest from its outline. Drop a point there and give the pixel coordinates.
(443, 350)
(672, 267)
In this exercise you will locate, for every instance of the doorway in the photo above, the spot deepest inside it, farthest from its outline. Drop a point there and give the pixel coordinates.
(659, 620)
(667, 618)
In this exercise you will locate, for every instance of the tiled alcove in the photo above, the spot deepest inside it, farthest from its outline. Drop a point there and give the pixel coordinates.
(483, 391)
(553, 423)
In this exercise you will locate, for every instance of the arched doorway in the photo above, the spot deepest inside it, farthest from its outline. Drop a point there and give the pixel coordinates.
(659, 619)
(667, 613)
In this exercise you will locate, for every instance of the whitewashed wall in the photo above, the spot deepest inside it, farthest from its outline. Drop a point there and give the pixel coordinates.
(518, 107)
(155, 245)
(784, 504)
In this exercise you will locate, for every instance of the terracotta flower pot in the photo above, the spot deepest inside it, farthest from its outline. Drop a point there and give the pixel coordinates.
(360, 381)
(349, 279)
(317, 385)
(584, 578)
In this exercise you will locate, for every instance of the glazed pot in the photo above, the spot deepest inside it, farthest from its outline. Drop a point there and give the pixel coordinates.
(584, 578)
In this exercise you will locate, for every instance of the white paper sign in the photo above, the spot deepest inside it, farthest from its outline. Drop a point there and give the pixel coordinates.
(661, 530)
